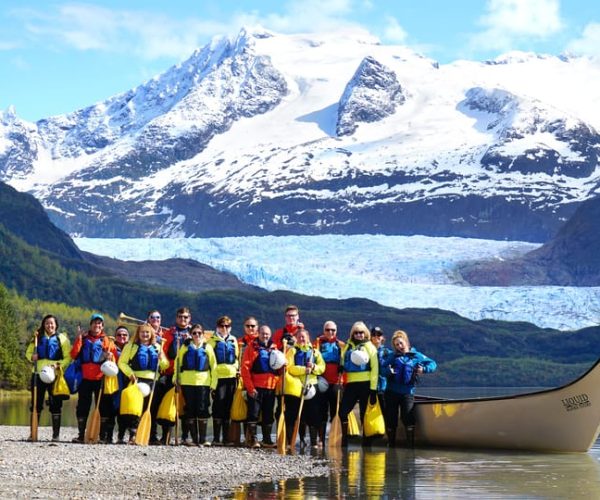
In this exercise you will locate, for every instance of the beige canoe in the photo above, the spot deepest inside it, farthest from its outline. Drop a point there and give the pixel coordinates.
(565, 419)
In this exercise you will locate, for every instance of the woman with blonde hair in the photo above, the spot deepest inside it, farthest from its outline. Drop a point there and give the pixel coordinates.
(361, 371)
(402, 368)
(140, 361)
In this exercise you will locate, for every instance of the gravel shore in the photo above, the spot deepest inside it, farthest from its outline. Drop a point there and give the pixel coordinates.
(66, 470)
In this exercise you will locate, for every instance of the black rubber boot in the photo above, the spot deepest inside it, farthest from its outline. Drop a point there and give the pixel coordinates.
(267, 442)
(55, 426)
(302, 434)
(322, 434)
(121, 435)
(202, 425)
(251, 440)
(110, 429)
(103, 424)
(81, 431)
(226, 437)
(132, 433)
(192, 426)
(391, 435)
(185, 431)
(410, 436)
(217, 424)
(312, 432)
(344, 434)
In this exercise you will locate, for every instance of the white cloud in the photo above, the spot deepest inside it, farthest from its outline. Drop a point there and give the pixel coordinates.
(149, 35)
(507, 22)
(393, 32)
(588, 43)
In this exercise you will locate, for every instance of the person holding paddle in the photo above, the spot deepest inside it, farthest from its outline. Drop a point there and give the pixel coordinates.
(140, 361)
(227, 353)
(304, 363)
(361, 371)
(92, 348)
(331, 350)
(260, 377)
(47, 348)
(198, 378)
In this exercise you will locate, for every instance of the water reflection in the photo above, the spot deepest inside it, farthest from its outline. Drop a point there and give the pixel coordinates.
(408, 474)
(15, 411)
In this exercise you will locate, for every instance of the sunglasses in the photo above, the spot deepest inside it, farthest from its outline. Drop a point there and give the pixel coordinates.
(197, 333)
(377, 334)
(154, 316)
(225, 326)
(330, 329)
(250, 326)
(358, 332)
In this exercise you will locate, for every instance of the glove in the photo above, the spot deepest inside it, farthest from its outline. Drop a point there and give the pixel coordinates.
(372, 397)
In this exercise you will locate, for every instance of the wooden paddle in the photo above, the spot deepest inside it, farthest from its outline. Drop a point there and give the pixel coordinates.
(177, 389)
(335, 429)
(92, 429)
(297, 423)
(142, 435)
(34, 413)
(281, 434)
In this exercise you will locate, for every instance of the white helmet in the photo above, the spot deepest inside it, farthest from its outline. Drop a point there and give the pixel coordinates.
(109, 368)
(47, 374)
(144, 388)
(322, 384)
(309, 392)
(276, 359)
(359, 357)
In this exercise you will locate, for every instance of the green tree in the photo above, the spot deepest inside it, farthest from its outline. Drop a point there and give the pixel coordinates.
(13, 369)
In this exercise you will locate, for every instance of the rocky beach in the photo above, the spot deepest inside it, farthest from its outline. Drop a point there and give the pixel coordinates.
(65, 470)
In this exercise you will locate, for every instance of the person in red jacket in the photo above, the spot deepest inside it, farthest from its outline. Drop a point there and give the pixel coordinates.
(292, 324)
(260, 380)
(92, 348)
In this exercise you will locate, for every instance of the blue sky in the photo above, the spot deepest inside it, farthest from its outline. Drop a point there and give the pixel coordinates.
(60, 56)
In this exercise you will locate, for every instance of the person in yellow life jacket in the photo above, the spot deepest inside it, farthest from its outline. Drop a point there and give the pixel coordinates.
(198, 377)
(304, 364)
(53, 350)
(227, 353)
(360, 366)
(140, 361)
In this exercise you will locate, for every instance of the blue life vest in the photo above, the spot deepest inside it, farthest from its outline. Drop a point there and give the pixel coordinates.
(349, 366)
(405, 369)
(195, 359)
(261, 363)
(49, 348)
(174, 347)
(225, 351)
(331, 352)
(146, 358)
(301, 358)
(92, 351)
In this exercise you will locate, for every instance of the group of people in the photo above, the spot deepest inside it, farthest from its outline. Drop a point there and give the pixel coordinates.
(281, 371)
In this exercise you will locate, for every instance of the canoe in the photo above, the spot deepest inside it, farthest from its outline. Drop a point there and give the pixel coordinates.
(563, 419)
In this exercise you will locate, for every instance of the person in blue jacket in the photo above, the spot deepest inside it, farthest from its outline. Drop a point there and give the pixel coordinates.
(403, 368)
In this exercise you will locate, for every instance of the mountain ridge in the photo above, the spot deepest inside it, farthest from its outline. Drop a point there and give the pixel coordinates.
(305, 134)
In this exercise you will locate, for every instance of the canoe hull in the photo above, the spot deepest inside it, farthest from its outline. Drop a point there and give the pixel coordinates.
(565, 419)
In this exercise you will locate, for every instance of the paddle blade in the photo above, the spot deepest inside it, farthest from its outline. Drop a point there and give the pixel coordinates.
(142, 436)
(335, 433)
(92, 430)
(281, 434)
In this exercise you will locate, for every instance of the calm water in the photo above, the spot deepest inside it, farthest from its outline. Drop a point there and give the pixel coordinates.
(407, 474)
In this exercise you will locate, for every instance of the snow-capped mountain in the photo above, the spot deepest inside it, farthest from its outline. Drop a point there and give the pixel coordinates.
(304, 134)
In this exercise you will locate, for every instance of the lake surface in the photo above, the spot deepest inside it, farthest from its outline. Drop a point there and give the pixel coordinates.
(410, 474)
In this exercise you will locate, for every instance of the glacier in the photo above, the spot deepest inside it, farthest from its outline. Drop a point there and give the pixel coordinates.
(396, 271)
